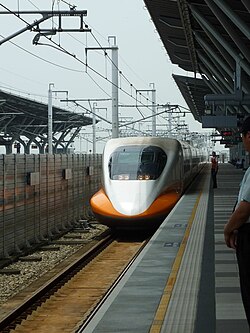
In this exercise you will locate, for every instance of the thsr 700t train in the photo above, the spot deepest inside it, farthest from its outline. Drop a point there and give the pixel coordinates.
(143, 178)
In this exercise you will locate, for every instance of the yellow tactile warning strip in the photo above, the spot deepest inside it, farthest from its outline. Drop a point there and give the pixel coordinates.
(163, 306)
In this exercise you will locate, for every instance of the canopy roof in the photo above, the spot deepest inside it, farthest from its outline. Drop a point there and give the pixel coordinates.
(21, 117)
(211, 40)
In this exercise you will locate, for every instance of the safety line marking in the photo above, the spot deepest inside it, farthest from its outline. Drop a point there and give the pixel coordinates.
(167, 292)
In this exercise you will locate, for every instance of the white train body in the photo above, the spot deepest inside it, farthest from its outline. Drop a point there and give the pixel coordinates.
(143, 178)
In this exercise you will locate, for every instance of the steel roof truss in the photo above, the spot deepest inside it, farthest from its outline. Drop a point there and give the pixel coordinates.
(230, 29)
(246, 4)
(216, 72)
(236, 19)
(227, 71)
(208, 27)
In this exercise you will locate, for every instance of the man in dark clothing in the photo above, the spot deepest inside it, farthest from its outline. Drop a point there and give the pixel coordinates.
(214, 169)
(237, 229)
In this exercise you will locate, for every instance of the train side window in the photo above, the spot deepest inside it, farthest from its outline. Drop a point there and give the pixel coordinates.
(162, 161)
(109, 166)
(153, 161)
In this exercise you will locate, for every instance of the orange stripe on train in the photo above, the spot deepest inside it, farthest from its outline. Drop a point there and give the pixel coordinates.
(101, 205)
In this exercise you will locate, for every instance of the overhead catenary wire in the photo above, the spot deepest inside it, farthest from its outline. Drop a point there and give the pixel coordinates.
(72, 55)
(121, 74)
(62, 49)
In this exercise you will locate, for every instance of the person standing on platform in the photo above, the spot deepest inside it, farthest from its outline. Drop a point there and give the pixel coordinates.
(237, 229)
(214, 169)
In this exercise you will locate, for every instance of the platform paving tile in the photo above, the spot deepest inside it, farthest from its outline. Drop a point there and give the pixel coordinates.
(229, 306)
(221, 247)
(226, 268)
(231, 326)
(227, 281)
(225, 256)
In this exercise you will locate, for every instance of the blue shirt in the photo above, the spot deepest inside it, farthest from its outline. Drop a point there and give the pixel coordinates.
(244, 193)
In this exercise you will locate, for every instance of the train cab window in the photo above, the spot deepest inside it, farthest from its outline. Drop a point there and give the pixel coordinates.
(137, 163)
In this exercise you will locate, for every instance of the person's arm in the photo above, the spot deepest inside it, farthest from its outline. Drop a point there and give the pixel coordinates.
(239, 217)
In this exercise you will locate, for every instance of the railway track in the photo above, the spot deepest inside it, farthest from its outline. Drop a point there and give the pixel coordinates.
(65, 302)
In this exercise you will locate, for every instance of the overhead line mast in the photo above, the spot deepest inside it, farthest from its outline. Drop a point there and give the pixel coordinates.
(44, 33)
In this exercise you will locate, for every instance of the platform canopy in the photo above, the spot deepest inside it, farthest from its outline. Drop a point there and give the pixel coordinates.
(24, 121)
(211, 40)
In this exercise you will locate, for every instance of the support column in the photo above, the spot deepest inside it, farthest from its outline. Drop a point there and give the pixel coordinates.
(50, 120)
(8, 147)
(94, 128)
(152, 85)
(27, 149)
(115, 118)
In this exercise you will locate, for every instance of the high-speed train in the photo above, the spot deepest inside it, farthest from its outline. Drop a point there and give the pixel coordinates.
(143, 178)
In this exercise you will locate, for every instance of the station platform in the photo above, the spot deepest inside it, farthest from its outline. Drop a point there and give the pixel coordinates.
(185, 279)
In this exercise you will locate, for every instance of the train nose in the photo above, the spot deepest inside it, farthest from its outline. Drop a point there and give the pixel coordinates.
(132, 198)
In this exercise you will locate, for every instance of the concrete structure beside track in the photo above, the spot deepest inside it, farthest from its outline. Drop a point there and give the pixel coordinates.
(185, 279)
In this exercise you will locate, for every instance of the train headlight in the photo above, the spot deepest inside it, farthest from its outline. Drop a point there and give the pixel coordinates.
(144, 177)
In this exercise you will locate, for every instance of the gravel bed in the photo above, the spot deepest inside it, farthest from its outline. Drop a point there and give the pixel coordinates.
(12, 284)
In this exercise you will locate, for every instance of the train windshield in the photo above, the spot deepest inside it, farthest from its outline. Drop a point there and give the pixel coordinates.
(137, 163)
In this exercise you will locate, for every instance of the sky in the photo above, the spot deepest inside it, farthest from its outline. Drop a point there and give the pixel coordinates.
(27, 69)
